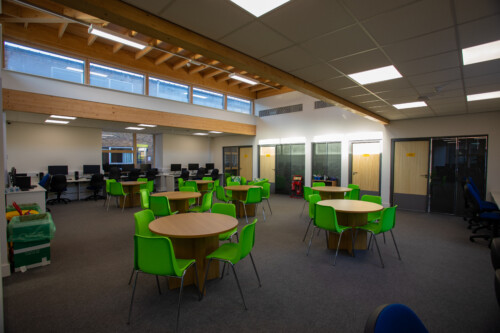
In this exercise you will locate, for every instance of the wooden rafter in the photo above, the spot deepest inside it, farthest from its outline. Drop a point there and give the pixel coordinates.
(258, 88)
(62, 29)
(91, 40)
(143, 52)
(117, 47)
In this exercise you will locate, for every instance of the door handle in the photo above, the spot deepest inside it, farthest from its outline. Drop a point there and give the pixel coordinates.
(426, 176)
(354, 173)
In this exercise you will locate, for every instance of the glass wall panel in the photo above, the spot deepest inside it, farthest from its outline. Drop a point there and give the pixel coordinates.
(145, 149)
(114, 78)
(239, 105)
(208, 98)
(443, 187)
(38, 62)
(327, 159)
(168, 90)
(290, 161)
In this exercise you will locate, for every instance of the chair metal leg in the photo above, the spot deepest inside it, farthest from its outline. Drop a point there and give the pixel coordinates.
(255, 268)
(263, 212)
(337, 252)
(378, 250)
(107, 208)
(310, 241)
(206, 275)
(179, 304)
(326, 237)
(158, 284)
(245, 209)
(124, 199)
(132, 299)
(352, 239)
(303, 206)
(395, 244)
(131, 276)
(269, 206)
(239, 287)
(197, 281)
(384, 236)
(307, 230)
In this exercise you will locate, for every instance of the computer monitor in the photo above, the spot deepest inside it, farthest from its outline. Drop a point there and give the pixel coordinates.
(127, 167)
(145, 167)
(58, 169)
(91, 169)
(209, 166)
(23, 182)
(193, 166)
(175, 167)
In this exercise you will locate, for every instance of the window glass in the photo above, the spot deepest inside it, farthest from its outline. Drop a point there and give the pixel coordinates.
(144, 148)
(38, 62)
(239, 105)
(168, 90)
(113, 78)
(208, 98)
(326, 159)
(113, 144)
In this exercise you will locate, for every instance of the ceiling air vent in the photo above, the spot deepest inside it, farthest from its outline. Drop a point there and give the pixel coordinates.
(281, 110)
(321, 104)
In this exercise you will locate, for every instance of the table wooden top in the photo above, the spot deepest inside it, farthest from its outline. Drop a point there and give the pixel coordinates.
(201, 182)
(132, 183)
(240, 187)
(352, 206)
(178, 195)
(193, 225)
(333, 189)
(496, 197)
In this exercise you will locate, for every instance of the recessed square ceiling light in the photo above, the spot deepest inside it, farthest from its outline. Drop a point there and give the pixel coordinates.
(200, 133)
(480, 53)
(410, 105)
(488, 95)
(376, 75)
(135, 128)
(62, 117)
(57, 121)
(146, 125)
(259, 7)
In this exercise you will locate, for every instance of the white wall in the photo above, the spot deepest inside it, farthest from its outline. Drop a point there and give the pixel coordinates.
(185, 149)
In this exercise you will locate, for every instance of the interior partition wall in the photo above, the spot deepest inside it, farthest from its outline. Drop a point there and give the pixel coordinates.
(289, 161)
(327, 160)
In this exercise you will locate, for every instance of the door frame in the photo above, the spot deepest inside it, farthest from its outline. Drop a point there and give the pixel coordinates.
(238, 164)
(379, 161)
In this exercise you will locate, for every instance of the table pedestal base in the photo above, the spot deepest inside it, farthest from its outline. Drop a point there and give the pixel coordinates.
(182, 206)
(349, 219)
(331, 195)
(133, 197)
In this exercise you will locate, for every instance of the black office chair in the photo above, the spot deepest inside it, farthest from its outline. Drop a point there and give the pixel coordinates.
(215, 174)
(185, 174)
(486, 219)
(58, 185)
(200, 173)
(96, 184)
(134, 174)
(151, 174)
(115, 173)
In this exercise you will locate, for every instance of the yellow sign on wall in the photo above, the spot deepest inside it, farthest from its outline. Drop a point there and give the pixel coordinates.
(268, 155)
(410, 154)
(366, 155)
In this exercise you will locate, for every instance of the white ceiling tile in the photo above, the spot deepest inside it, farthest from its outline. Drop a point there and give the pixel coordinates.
(484, 89)
(347, 93)
(467, 10)
(479, 32)
(336, 83)
(482, 68)
(353, 40)
(316, 73)
(388, 85)
(448, 108)
(429, 64)
(423, 46)
(361, 62)
(436, 77)
(484, 105)
(301, 20)
(151, 6)
(290, 59)
(484, 80)
(363, 9)
(432, 90)
(213, 19)
(256, 40)
(418, 18)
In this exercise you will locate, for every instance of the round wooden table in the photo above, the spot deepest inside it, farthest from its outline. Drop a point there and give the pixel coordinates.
(350, 213)
(331, 192)
(240, 193)
(179, 201)
(203, 185)
(132, 188)
(194, 236)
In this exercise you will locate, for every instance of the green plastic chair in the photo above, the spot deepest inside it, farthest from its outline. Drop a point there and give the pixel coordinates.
(160, 206)
(318, 184)
(142, 220)
(180, 183)
(229, 210)
(192, 183)
(188, 189)
(232, 253)
(243, 181)
(155, 255)
(387, 223)
(210, 185)
(325, 218)
(254, 197)
(206, 204)
(216, 183)
(143, 186)
(108, 190)
(228, 192)
(144, 198)
(220, 195)
(307, 192)
(373, 217)
(150, 185)
(116, 190)
(313, 200)
(266, 194)
(354, 194)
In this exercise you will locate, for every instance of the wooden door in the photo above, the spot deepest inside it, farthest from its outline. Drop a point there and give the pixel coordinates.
(366, 167)
(246, 162)
(268, 163)
(410, 179)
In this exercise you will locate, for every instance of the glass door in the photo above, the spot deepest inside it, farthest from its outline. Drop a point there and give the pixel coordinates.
(290, 161)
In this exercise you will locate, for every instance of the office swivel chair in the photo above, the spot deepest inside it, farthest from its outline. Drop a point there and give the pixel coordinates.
(58, 185)
(483, 216)
(200, 173)
(392, 318)
(185, 174)
(151, 174)
(96, 185)
(134, 174)
(215, 174)
(115, 173)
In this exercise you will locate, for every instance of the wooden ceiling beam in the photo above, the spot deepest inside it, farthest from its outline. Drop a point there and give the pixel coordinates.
(222, 78)
(117, 47)
(258, 88)
(143, 52)
(211, 73)
(164, 57)
(91, 40)
(128, 16)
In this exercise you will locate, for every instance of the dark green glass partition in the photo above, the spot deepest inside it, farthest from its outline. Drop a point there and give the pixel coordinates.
(326, 159)
(290, 161)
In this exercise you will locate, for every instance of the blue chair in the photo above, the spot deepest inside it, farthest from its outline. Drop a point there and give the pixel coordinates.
(394, 318)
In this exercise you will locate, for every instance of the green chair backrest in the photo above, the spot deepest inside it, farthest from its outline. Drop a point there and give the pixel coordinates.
(143, 185)
(224, 208)
(116, 189)
(210, 185)
(142, 220)
(353, 186)
(247, 239)
(219, 193)
(144, 198)
(180, 182)
(243, 181)
(206, 203)
(230, 183)
(313, 199)
(159, 205)
(375, 199)
(354, 194)
(155, 255)
(307, 192)
(266, 190)
(315, 184)
(253, 195)
(325, 217)
(388, 219)
(188, 189)
(108, 182)
(192, 183)
(217, 182)
(207, 178)
(150, 185)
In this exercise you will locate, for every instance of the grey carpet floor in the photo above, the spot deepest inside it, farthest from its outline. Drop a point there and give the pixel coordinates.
(444, 278)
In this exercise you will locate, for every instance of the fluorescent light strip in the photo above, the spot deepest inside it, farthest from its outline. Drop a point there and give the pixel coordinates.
(410, 105)
(146, 125)
(243, 79)
(200, 133)
(259, 7)
(56, 121)
(376, 75)
(134, 128)
(215, 132)
(479, 97)
(108, 34)
(480, 53)
(62, 117)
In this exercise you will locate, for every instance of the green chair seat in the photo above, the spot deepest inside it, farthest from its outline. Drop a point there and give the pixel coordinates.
(229, 251)
(206, 204)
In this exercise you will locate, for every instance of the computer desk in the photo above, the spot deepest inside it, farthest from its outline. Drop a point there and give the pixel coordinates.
(34, 195)
(77, 182)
